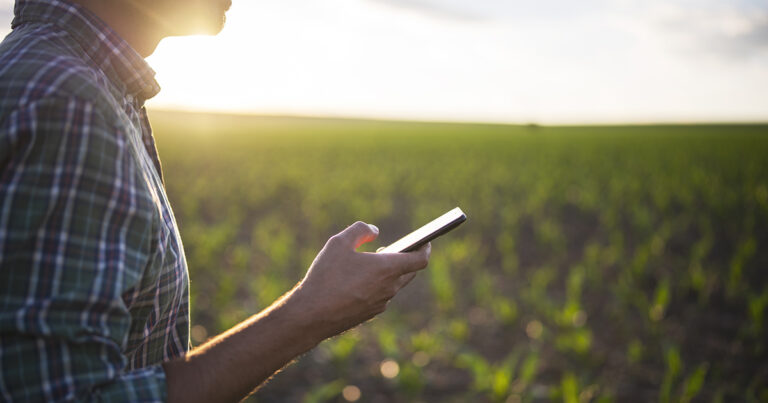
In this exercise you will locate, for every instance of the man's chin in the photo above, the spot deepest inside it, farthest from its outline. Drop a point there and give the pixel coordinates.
(207, 27)
(217, 27)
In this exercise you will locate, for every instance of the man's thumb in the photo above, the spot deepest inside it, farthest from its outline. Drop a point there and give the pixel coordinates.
(358, 234)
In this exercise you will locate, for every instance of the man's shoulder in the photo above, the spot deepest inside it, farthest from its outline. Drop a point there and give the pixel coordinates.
(41, 61)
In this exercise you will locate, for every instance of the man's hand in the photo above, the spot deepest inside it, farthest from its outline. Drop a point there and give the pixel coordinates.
(341, 289)
(344, 288)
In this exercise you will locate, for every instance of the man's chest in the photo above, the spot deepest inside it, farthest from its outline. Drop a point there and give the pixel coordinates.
(159, 303)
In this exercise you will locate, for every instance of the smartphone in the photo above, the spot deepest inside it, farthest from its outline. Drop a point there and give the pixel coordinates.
(421, 236)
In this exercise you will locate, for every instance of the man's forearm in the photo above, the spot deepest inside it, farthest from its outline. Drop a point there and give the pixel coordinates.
(234, 363)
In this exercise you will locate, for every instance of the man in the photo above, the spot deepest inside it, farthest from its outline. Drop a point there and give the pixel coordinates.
(93, 279)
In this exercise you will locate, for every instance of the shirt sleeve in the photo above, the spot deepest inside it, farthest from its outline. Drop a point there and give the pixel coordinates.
(73, 240)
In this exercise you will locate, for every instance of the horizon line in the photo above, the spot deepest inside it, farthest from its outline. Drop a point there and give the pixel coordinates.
(531, 123)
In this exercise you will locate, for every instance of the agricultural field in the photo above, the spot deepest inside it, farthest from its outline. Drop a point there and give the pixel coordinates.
(606, 264)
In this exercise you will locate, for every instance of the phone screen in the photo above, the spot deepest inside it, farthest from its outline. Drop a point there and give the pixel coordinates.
(421, 236)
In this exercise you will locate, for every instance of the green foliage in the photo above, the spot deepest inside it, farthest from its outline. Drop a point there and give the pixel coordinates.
(570, 388)
(387, 338)
(757, 311)
(505, 310)
(660, 301)
(442, 283)
(672, 370)
(411, 379)
(635, 351)
(529, 368)
(597, 264)
(693, 383)
(492, 380)
(324, 393)
(578, 341)
(745, 251)
(342, 347)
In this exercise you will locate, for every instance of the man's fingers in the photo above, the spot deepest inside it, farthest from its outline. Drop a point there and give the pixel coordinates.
(358, 234)
(411, 261)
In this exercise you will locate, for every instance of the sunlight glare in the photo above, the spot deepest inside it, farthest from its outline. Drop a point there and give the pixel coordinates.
(395, 60)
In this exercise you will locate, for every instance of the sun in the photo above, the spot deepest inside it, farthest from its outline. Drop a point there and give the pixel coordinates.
(205, 72)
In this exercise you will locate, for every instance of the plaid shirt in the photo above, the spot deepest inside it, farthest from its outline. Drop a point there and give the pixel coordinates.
(93, 279)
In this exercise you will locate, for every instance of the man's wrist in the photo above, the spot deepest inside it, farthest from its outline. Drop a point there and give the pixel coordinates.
(297, 310)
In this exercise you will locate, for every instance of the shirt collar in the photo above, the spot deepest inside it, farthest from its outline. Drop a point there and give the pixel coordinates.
(111, 53)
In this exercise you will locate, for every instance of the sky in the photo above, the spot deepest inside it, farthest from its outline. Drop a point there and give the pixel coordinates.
(542, 61)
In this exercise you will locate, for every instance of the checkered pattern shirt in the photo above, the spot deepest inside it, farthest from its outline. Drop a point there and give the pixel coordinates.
(93, 279)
